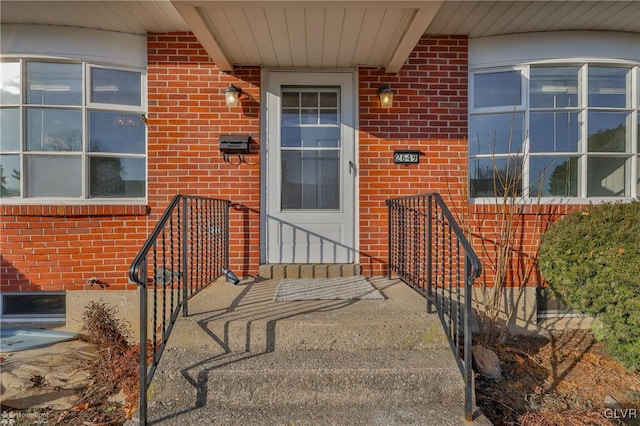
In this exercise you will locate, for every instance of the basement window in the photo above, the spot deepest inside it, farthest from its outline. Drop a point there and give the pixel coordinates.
(553, 306)
(33, 307)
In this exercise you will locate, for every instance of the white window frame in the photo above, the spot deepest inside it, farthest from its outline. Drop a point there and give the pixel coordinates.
(85, 154)
(632, 153)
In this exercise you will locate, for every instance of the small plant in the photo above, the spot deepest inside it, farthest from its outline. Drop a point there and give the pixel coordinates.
(591, 258)
(499, 230)
(116, 367)
(37, 381)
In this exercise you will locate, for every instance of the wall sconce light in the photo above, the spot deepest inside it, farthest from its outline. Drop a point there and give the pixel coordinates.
(386, 96)
(232, 95)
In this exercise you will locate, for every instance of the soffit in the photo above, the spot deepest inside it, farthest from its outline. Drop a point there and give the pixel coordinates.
(330, 33)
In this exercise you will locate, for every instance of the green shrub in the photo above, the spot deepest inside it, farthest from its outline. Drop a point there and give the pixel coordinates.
(591, 258)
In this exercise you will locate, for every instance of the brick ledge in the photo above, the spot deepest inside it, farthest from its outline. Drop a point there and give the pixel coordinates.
(87, 210)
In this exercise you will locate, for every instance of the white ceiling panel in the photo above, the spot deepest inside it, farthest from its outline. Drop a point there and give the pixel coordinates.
(330, 33)
(137, 17)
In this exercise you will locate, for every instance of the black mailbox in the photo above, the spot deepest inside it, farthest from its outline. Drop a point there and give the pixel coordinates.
(235, 144)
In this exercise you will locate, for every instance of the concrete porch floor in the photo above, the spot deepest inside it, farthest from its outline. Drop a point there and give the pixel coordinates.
(242, 358)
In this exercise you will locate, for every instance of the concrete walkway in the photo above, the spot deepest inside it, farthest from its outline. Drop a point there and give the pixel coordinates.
(241, 358)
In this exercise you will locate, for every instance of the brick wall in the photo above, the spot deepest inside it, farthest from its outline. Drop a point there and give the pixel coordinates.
(61, 247)
(429, 114)
(187, 114)
(58, 247)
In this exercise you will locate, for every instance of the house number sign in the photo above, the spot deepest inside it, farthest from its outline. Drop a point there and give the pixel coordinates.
(406, 157)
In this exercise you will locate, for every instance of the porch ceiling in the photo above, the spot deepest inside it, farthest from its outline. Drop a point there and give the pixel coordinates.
(329, 33)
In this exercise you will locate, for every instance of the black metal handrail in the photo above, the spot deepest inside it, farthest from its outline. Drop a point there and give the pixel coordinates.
(429, 251)
(188, 249)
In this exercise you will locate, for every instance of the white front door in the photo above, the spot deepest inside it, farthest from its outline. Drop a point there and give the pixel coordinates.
(311, 168)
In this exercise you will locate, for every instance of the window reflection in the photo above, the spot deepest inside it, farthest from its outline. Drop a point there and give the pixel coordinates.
(115, 87)
(496, 133)
(116, 132)
(554, 131)
(553, 87)
(9, 129)
(54, 83)
(310, 180)
(606, 177)
(54, 129)
(553, 176)
(497, 89)
(608, 87)
(116, 177)
(9, 83)
(9, 176)
(496, 177)
(607, 131)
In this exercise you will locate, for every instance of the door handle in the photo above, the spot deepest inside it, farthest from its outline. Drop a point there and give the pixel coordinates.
(352, 167)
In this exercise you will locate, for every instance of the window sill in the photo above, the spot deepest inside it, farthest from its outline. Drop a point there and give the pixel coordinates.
(78, 210)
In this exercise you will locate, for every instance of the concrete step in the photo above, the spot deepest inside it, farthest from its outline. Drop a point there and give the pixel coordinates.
(309, 270)
(242, 358)
(254, 322)
(373, 387)
(310, 415)
(375, 377)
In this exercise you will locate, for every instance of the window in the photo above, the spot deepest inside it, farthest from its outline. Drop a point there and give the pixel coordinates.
(310, 144)
(71, 131)
(571, 132)
(32, 306)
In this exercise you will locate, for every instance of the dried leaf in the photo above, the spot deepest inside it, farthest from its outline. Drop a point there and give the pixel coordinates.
(81, 407)
(129, 410)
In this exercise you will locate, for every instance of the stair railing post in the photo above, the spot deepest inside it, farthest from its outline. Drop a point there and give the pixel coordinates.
(468, 377)
(429, 253)
(185, 259)
(142, 402)
(226, 235)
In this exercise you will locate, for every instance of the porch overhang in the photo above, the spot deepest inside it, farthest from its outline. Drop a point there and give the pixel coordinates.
(313, 34)
(324, 33)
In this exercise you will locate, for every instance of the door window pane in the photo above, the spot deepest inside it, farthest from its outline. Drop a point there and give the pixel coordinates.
(608, 131)
(311, 137)
(53, 176)
(310, 180)
(290, 99)
(328, 116)
(9, 176)
(494, 177)
(496, 133)
(54, 84)
(608, 87)
(606, 177)
(116, 177)
(54, 129)
(553, 87)
(554, 131)
(115, 87)
(328, 100)
(10, 83)
(116, 132)
(309, 99)
(9, 129)
(497, 89)
(553, 176)
(309, 116)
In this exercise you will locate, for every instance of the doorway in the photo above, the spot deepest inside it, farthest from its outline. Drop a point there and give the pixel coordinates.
(311, 169)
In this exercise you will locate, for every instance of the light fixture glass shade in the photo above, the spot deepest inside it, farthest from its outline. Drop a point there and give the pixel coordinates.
(231, 95)
(386, 96)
